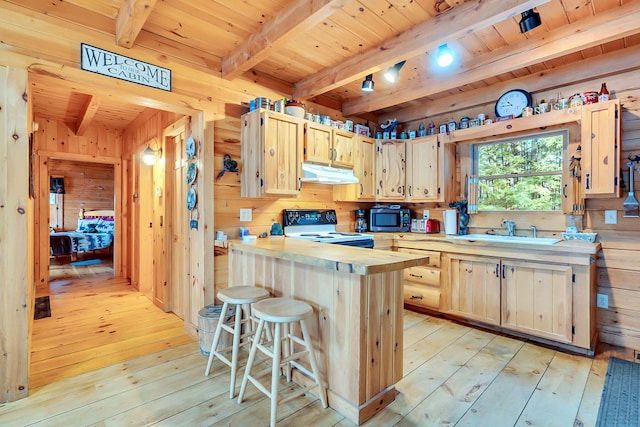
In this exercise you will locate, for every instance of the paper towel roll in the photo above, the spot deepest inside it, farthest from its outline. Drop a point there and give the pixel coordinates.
(451, 221)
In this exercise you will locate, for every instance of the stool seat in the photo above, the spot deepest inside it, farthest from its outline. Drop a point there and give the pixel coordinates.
(280, 310)
(240, 296)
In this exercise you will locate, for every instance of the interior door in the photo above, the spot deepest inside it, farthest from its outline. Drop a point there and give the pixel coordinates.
(145, 231)
(179, 258)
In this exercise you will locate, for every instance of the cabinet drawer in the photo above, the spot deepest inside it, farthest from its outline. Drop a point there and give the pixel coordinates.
(434, 256)
(422, 295)
(422, 275)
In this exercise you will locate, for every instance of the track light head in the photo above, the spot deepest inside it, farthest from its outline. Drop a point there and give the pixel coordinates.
(367, 83)
(392, 73)
(530, 20)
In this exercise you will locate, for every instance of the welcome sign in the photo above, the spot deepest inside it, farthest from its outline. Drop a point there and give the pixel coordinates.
(121, 67)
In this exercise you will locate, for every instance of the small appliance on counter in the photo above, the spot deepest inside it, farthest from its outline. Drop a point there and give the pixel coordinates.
(361, 221)
(389, 219)
(424, 225)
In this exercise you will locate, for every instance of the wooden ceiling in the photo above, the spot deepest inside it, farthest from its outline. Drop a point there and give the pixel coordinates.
(324, 48)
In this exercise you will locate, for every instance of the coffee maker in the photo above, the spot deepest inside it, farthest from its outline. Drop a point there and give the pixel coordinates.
(361, 221)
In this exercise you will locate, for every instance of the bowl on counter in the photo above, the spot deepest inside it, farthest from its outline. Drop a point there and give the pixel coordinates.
(295, 109)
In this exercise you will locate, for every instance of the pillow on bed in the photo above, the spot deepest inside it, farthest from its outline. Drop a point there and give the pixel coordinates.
(87, 225)
(105, 225)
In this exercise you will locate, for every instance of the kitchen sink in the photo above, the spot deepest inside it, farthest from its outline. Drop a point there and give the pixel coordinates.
(508, 239)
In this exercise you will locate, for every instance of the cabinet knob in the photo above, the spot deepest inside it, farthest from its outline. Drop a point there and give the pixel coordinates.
(415, 275)
(587, 182)
(416, 296)
(272, 152)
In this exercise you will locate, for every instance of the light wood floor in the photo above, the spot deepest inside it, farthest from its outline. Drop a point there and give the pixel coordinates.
(453, 374)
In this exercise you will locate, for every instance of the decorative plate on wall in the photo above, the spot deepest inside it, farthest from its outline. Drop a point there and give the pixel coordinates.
(192, 172)
(191, 148)
(191, 199)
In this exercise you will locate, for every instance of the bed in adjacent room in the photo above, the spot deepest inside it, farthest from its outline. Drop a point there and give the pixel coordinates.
(94, 231)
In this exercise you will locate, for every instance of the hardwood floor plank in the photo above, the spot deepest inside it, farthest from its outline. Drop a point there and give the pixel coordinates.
(556, 399)
(456, 395)
(520, 377)
(416, 354)
(421, 329)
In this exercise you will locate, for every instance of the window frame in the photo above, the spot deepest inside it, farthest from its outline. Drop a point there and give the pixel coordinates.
(475, 158)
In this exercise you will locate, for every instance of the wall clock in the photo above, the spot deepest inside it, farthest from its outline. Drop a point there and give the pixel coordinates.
(512, 102)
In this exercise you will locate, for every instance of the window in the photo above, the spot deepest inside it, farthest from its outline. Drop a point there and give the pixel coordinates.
(523, 174)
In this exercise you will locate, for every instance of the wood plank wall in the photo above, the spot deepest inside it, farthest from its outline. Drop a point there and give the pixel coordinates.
(87, 185)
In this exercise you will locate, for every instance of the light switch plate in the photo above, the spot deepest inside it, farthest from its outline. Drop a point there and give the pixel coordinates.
(245, 214)
(610, 217)
(602, 301)
(425, 214)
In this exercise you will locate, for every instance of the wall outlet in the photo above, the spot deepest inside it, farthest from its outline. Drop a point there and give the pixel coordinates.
(610, 217)
(602, 301)
(425, 214)
(245, 214)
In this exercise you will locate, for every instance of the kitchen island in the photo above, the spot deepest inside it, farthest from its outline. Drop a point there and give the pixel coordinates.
(357, 297)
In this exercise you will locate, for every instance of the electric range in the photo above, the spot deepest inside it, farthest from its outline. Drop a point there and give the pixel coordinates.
(320, 226)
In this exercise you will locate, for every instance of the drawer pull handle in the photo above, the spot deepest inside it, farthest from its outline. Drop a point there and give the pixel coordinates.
(416, 296)
(415, 275)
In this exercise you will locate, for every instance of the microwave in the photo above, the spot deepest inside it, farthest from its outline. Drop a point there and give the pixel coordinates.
(389, 219)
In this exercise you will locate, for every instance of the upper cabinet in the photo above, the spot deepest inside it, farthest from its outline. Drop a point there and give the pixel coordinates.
(415, 170)
(328, 146)
(364, 169)
(601, 149)
(390, 169)
(271, 147)
(430, 170)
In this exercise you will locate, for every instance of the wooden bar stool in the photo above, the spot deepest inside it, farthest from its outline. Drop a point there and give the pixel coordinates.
(280, 312)
(238, 296)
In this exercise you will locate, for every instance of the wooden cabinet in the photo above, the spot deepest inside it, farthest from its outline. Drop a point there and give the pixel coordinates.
(390, 169)
(271, 147)
(422, 284)
(475, 287)
(364, 169)
(601, 149)
(328, 146)
(537, 299)
(430, 170)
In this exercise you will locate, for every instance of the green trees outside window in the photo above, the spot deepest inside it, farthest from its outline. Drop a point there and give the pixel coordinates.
(523, 174)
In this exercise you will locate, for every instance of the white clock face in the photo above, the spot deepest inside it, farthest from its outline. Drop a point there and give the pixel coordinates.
(512, 102)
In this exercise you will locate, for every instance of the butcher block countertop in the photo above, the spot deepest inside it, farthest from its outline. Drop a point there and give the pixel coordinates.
(347, 259)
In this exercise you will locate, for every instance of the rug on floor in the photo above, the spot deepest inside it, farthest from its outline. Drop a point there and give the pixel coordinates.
(86, 262)
(42, 308)
(620, 403)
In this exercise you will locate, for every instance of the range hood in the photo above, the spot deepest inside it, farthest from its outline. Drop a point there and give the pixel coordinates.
(327, 175)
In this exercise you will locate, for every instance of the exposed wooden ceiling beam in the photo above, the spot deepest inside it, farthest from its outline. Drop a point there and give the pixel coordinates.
(616, 62)
(445, 27)
(131, 18)
(86, 116)
(607, 26)
(277, 32)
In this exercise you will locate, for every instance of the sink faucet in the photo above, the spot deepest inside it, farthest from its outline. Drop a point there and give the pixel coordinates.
(534, 230)
(511, 226)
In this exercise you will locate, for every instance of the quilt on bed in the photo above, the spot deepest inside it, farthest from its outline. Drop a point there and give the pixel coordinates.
(91, 234)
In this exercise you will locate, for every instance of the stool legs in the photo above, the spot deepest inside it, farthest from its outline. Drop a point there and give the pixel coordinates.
(252, 356)
(275, 373)
(234, 353)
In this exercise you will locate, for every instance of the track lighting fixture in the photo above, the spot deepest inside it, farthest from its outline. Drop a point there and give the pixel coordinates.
(367, 83)
(445, 56)
(392, 73)
(529, 21)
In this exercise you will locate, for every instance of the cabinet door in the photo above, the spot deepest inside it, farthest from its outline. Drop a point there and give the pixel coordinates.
(343, 148)
(475, 287)
(601, 149)
(537, 299)
(423, 183)
(365, 166)
(282, 142)
(317, 143)
(390, 171)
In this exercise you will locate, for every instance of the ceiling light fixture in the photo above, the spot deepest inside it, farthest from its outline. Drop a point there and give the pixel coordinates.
(529, 21)
(367, 83)
(392, 73)
(445, 56)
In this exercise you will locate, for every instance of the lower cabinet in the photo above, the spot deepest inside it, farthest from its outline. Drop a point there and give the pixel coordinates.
(475, 287)
(422, 283)
(537, 299)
